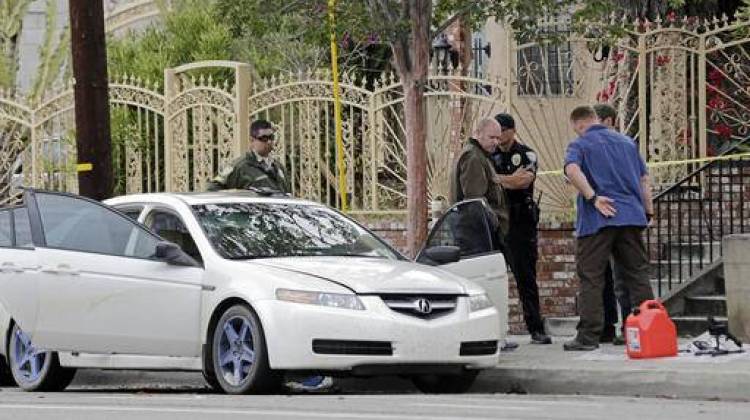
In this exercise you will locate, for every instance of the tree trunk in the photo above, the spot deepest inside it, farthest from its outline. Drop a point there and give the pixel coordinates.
(412, 57)
(93, 141)
(416, 163)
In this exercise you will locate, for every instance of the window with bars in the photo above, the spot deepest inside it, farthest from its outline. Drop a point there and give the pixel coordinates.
(546, 68)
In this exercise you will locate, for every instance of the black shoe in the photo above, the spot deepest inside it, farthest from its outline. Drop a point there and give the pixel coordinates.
(575, 345)
(540, 338)
(509, 346)
(608, 334)
(618, 341)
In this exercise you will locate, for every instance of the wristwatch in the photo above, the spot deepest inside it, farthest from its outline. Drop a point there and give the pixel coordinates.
(592, 200)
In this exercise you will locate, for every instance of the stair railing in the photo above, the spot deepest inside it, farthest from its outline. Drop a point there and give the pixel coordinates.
(691, 217)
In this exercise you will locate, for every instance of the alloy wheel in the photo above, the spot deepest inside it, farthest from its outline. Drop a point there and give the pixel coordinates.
(29, 360)
(236, 352)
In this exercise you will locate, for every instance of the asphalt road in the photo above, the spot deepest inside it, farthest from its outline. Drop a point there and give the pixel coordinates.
(115, 396)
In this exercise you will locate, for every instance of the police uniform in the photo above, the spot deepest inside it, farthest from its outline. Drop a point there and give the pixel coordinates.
(521, 240)
(251, 171)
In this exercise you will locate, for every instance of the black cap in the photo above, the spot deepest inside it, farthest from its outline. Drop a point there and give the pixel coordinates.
(505, 120)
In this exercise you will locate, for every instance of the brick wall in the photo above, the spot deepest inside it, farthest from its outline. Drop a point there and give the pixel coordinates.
(556, 278)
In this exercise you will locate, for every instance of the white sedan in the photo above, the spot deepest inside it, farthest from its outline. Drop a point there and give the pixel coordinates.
(243, 287)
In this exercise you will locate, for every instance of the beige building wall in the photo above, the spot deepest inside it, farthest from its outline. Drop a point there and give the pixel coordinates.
(542, 118)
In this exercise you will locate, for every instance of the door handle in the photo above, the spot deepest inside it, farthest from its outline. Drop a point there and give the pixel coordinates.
(61, 269)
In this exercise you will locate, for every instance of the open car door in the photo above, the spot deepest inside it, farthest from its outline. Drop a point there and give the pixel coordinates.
(469, 226)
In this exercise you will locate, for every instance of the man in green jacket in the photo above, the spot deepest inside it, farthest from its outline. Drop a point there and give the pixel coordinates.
(474, 173)
(256, 169)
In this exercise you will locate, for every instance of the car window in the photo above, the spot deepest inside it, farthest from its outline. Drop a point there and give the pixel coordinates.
(22, 228)
(465, 226)
(81, 225)
(6, 238)
(171, 228)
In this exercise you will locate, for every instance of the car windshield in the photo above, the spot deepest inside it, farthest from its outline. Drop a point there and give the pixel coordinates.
(266, 230)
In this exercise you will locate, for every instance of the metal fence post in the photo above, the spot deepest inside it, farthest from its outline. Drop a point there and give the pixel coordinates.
(643, 138)
(169, 94)
(702, 123)
(242, 85)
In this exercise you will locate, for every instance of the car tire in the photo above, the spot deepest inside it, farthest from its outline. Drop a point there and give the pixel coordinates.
(239, 356)
(6, 377)
(43, 373)
(210, 377)
(445, 384)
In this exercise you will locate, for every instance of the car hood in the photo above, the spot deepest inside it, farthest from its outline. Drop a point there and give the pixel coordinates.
(373, 275)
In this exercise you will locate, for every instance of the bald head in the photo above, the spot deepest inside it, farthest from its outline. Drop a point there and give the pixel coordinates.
(487, 133)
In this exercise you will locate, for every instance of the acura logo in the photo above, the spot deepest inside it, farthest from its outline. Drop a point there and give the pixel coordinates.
(423, 306)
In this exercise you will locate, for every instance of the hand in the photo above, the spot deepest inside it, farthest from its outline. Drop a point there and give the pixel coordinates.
(606, 206)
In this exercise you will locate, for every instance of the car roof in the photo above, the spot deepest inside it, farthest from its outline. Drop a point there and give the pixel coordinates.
(198, 198)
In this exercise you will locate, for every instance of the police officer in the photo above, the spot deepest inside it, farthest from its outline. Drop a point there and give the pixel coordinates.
(516, 165)
(256, 169)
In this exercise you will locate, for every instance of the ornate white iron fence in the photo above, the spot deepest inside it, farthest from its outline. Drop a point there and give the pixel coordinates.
(681, 88)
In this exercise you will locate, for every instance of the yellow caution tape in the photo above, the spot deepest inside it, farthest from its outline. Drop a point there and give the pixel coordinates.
(84, 167)
(669, 162)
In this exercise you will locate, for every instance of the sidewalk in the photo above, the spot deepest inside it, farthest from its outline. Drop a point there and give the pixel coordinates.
(536, 369)
(531, 369)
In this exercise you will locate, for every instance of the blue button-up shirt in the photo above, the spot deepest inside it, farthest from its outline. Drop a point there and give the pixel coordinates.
(614, 169)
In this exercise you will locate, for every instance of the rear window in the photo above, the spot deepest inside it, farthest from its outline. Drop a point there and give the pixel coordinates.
(6, 238)
(15, 230)
(22, 228)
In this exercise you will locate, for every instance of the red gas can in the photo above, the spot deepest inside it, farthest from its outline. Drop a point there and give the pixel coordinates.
(649, 332)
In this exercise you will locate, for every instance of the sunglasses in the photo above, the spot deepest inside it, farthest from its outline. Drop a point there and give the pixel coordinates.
(266, 138)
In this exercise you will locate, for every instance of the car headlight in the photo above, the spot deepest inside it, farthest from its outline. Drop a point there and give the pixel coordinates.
(333, 300)
(479, 302)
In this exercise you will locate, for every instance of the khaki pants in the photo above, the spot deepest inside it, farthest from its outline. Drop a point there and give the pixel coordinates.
(626, 246)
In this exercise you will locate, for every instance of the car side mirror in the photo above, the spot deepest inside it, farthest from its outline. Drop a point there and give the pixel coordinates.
(440, 255)
(171, 254)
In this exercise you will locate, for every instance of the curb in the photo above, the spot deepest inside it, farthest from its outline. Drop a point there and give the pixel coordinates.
(693, 384)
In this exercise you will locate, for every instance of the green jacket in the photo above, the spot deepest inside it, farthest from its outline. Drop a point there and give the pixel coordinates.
(473, 178)
(246, 172)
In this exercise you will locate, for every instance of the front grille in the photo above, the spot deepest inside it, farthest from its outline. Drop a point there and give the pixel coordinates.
(478, 348)
(421, 306)
(350, 347)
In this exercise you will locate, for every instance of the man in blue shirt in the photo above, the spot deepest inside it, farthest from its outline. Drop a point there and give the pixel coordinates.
(613, 207)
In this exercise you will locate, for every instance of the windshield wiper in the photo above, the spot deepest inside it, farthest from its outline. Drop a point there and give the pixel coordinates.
(355, 255)
(250, 257)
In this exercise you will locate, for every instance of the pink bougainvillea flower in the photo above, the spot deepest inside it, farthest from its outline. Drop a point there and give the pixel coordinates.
(345, 40)
(716, 103)
(715, 76)
(618, 56)
(723, 130)
(663, 60)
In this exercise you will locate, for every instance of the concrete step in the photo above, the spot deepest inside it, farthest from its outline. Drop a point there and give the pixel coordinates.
(561, 326)
(698, 250)
(717, 289)
(715, 306)
(692, 326)
(675, 268)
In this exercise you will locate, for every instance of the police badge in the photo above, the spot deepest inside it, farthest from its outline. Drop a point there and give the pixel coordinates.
(516, 159)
